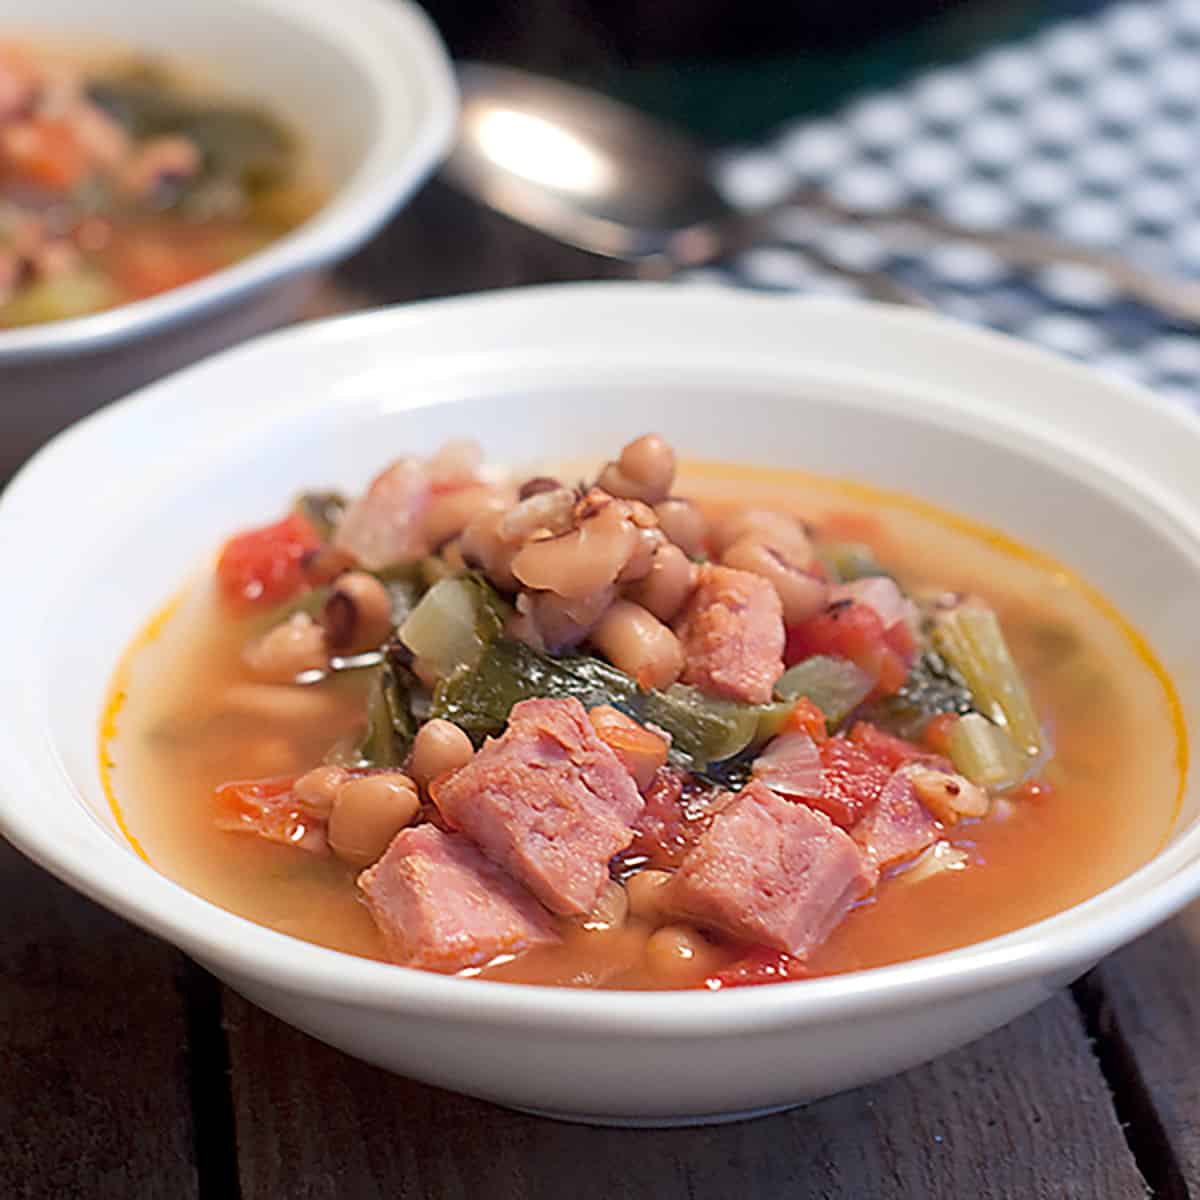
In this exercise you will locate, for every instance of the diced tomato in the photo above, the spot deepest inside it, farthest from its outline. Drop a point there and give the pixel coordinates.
(678, 810)
(761, 965)
(270, 809)
(902, 639)
(855, 632)
(44, 152)
(843, 630)
(806, 717)
(264, 566)
(893, 671)
(244, 798)
(853, 782)
(936, 734)
(885, 747)
(793, 647)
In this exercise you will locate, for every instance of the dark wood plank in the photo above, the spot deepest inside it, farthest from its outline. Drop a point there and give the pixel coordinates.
(94, 1096)
(1023, 1113)
(1145, 1005)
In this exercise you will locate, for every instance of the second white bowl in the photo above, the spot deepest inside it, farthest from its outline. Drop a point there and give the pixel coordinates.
(368, 86)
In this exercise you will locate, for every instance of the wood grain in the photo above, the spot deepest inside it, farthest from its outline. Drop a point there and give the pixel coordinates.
(1023, 1113)
(94, 1098)
(1146, 1005)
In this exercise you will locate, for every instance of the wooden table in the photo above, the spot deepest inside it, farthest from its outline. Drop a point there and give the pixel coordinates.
(127, 1071)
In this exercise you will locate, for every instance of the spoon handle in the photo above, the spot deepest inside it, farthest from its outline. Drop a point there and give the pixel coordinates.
(874, 284)
(1178, 299)
(702, 245)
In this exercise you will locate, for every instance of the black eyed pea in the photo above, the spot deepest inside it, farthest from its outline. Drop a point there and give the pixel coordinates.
(368, 812)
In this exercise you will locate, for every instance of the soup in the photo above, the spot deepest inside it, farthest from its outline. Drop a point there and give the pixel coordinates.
(120, 178)
(606, 736)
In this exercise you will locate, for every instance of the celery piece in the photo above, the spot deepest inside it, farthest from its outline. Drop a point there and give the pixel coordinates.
(702, 727)
(391, 725)
(984, 753)
(971, 640)
(837, 687)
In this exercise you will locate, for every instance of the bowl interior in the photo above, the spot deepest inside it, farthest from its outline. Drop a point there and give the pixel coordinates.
(224, 444)
(1062, 505)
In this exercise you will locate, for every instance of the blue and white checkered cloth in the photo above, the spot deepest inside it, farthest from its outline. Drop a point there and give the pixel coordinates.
(1089, 129)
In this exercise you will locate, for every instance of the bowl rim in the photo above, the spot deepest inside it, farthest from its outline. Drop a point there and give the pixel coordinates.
(1068, 941)
(399, 56)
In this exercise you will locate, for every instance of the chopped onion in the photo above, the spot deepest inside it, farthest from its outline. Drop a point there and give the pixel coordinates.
(877, 592)
(442, 631)
(940, 857)
(791, 766)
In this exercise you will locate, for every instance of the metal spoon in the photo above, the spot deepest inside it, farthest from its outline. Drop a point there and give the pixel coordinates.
(602, 176)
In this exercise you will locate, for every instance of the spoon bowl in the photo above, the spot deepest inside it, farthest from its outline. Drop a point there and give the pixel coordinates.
(588, 170)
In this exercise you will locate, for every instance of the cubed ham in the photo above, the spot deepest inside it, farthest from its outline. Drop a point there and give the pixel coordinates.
(898, 827)
(772, 872)
(732, 634)
(384, 525)
(548, 801)
(442, 906)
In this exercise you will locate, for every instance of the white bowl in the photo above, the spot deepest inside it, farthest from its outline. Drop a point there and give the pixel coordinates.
(368, 84)
(1054, 454)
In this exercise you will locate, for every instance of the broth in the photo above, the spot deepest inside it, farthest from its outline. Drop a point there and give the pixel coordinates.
(1116, 771)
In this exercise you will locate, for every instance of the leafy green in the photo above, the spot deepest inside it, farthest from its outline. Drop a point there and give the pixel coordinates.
(237, 142)
(391, 726)
(932, 687)
(702, 729)
(405, 588)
